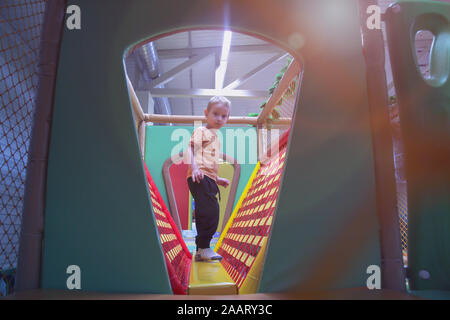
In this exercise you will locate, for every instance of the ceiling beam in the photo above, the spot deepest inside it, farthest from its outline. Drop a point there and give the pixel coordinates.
(208, 93)
(172, 73)
(236, 83)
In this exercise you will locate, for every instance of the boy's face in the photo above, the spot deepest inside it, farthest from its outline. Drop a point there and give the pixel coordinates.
(217, 116)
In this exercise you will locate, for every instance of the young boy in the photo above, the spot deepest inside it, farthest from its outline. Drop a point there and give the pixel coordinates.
(204, 152)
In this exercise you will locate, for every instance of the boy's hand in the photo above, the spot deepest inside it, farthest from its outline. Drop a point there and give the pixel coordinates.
(197, 175)
(223, 182)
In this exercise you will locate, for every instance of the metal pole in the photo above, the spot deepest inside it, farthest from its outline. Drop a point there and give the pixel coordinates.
(393, 275)
(163, 118)
(31, 237)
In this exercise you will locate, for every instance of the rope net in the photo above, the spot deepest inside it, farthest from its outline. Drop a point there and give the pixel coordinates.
(20, 31)
(177, 256)
(253, 220)
(285, 108)
(286, 105)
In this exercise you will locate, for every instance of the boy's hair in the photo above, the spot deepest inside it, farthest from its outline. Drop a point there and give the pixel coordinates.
(219, 99)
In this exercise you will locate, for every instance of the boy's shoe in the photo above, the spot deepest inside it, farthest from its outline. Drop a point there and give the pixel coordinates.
(207, 254)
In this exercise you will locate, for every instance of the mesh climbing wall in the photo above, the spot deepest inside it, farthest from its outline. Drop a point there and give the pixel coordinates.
(253, 220)
(20, 32)
(252, 223)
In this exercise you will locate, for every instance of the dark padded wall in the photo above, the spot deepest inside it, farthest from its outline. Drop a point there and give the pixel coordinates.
(425, 123)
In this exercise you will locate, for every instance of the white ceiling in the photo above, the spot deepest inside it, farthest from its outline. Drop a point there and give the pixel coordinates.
(240, 62)
(202, 74)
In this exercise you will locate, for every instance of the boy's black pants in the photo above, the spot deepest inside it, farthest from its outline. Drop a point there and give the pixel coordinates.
(206, 209)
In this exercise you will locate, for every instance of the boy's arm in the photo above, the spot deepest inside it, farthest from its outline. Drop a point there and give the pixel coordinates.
(222, 181)
(196, 174)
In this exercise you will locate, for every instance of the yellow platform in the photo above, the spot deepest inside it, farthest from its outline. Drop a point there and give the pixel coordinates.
(210, 278)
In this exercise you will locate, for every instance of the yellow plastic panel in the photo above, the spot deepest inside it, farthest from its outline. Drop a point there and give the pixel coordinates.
(226, 170)
(210, 278)
(238, 205)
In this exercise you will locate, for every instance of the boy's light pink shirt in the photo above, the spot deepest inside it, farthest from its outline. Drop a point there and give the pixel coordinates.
(206, 152)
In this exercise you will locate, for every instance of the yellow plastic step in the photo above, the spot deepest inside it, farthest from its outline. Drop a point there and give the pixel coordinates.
(209, 277)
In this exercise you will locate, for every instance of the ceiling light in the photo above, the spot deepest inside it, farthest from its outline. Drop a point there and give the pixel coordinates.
(222, 69)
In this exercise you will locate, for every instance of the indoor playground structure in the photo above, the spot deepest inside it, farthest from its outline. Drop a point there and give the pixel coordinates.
(90, 181)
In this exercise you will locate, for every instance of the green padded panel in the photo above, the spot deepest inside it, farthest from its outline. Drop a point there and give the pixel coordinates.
(98, 213)
(162, 139)
(425, 122)
(97, 206)
(226, 170)
(432, 294)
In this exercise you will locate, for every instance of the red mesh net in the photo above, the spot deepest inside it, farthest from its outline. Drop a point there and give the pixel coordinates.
(20, 32)
(254, 218)
(253, 221)
(178, 257)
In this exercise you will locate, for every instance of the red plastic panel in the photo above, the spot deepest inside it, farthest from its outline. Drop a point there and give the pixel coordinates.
(181, 192)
